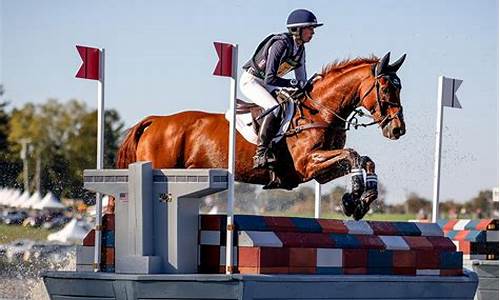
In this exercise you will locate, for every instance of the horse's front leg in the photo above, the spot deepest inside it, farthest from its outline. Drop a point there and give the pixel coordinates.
(326, 165)
(371, 189)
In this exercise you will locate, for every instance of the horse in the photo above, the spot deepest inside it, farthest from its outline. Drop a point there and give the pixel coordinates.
(314, 147)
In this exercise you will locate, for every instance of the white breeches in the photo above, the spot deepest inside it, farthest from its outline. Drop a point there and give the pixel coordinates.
(257, 91)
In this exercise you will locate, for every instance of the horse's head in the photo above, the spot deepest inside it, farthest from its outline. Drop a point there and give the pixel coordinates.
(382, 97)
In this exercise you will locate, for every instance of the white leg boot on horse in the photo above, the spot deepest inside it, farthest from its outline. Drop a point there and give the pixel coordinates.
(371, 192)
(350, 201)
(357, 203)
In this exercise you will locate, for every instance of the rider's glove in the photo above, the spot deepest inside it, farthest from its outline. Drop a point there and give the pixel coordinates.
(286, 93)
(299, 84)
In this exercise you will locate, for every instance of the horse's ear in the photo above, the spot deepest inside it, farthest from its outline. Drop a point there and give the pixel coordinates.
(382, 64)
(394, 67)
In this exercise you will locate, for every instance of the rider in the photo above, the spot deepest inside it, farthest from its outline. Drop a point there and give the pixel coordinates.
(275, 56)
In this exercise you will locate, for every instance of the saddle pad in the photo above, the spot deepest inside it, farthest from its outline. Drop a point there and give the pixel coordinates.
(245, 128)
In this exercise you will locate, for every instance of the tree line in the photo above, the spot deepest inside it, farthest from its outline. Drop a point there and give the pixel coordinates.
(61, 142)
(300, 202)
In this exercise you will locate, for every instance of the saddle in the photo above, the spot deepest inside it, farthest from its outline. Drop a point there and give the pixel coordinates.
(287, 104)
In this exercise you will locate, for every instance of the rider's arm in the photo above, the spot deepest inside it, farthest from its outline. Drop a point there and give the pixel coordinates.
(274, 56)
(300, 72)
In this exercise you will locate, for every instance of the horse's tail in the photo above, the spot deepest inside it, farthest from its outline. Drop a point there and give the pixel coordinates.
(127, 151)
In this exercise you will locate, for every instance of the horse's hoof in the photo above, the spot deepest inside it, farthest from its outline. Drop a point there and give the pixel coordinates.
(360, 210)
(364, 204)
(348, 204)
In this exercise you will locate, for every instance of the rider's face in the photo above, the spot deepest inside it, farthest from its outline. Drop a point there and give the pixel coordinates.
(307, 34)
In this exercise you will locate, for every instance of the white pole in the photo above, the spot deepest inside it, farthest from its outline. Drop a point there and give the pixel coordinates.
(100, 159)
(437, 154)
(317, 200)
(24, 157)
(231, 164)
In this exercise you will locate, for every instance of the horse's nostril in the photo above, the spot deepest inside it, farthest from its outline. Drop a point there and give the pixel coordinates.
(397, 131)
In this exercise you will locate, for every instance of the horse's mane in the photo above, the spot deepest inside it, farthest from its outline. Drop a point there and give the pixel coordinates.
(338, 66)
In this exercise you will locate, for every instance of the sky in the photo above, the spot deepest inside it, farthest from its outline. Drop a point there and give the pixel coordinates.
(160, 57)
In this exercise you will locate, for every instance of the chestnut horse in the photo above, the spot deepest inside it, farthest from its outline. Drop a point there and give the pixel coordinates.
(315, 149)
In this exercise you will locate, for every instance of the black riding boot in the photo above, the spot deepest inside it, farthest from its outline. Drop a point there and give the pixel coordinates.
(263, 157)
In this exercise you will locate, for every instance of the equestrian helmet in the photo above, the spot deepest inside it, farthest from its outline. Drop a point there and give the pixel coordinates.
(302, 18)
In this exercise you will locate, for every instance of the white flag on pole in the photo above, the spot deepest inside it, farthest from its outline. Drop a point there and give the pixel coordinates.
(450, 87)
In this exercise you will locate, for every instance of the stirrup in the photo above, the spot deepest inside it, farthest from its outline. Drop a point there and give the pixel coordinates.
(259, 162)
(263, 160)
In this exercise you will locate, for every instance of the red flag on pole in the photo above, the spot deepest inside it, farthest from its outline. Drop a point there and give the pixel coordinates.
(225, 64)
(90, 66)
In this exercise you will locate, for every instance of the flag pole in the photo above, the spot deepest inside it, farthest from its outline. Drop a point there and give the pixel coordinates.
(437, 154)
(100, 159)
(317, 200)
(231, 163)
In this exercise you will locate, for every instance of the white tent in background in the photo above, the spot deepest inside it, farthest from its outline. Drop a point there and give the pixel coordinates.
(73, 232)
(33, 200)
(24, 198)
(49, 202)
(14, 197)
(5, 194)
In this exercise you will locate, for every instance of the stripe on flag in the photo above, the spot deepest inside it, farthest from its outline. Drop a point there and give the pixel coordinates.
(225, 64)
(90, 65)
(450, 87)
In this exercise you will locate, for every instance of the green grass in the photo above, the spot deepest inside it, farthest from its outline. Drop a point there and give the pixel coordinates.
(9, 233)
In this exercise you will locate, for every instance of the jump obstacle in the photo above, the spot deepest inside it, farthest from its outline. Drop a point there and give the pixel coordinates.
(158, 246)
(478, 240)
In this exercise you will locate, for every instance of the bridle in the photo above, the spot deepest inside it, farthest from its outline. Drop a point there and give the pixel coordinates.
(387, 117)
(353, 120)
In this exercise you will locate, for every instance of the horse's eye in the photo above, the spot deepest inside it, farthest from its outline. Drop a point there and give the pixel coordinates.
(396, 83)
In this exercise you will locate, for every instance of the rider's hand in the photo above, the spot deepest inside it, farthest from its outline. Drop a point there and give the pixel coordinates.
(285, 93)
(298, 84)
(289, 91)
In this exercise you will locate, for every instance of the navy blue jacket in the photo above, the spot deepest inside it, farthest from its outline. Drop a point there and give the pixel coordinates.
(275, 56)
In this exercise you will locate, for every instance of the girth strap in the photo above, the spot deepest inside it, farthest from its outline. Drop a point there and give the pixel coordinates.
(300, 128)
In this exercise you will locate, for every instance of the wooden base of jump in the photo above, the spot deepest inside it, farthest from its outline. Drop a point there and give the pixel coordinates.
(82, 285)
